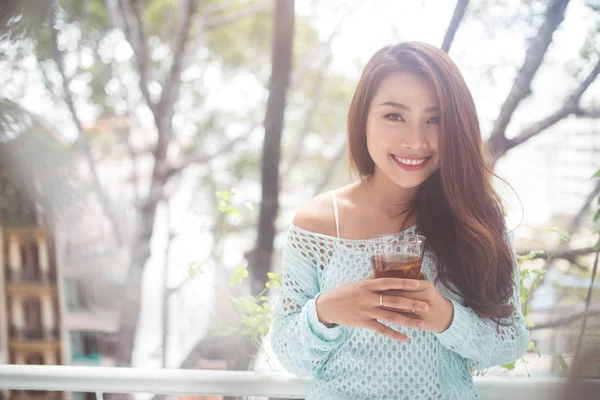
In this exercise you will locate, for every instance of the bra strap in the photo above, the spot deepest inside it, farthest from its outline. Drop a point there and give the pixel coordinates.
(335, 213)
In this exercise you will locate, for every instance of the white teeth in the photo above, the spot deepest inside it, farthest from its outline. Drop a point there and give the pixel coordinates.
(406, 161)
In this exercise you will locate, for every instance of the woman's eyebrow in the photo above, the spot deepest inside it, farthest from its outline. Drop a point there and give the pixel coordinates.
(407, 108)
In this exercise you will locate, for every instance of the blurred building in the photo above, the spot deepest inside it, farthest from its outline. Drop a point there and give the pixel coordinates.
(60, 269)
(30, 292)
(573, 157)
(31, 317)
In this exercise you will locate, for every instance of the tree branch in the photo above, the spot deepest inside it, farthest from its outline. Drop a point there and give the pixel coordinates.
(299, 73)
(215, 22)
(539, 126)
(337, 158)
(569, 254)
(83, 21)
(588, 113)
(204, 158)
(573, 228)
(311, 108)
(172, 82)
(457, 17)
(309, 114)
(127, 18)
(81, 136)
(215, 9)
(576, 221)
(134, 162)
(588, 301)
(521, 88)
(164, 117)
(46, 79)
(566, 320)
(571, 106)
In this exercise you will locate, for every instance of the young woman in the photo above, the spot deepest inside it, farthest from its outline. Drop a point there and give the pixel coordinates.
(414, 139)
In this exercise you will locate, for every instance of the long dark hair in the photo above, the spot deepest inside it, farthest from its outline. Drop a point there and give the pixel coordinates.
(456, 208)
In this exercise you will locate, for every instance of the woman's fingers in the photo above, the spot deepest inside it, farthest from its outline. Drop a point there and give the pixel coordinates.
(386, 331)
(402, 303)
(383, 284)
(398, 319)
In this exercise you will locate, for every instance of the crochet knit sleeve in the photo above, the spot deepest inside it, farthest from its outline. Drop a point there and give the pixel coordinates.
(301, 342)
(480, 340)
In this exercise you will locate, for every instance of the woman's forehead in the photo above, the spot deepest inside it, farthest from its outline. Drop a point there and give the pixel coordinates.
(403, 86)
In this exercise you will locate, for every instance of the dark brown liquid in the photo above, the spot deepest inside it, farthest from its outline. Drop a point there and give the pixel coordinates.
(406, 266)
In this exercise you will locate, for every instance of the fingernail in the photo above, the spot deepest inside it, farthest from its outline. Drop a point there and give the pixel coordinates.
(424, 307)
(414, 283)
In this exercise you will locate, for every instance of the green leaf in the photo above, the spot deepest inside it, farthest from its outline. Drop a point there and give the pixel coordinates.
(195, 268)
(596, 175)
(509, 366)
(528, 322)
(527, 310)
(561, 362)
(533, 347)
(530, 256)
(597, 217)
(233, 210)
(538, 271)
(524, 292)
(274, 279)
(224, 195)
(222, 207)
(564, 235)
(239, 274)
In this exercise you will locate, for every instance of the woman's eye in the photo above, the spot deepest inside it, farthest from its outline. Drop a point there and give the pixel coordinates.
(394, 117)
(434, 120)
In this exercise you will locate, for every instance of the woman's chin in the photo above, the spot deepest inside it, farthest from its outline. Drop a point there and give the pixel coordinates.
(411, 181)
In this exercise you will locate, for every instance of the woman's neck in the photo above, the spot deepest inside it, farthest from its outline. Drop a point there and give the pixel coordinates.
(379, 192)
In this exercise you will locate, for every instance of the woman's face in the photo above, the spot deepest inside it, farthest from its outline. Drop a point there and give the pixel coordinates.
(403, 129)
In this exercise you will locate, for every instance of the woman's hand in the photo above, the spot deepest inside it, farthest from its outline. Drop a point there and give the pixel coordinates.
(358, 304)
(440, 312)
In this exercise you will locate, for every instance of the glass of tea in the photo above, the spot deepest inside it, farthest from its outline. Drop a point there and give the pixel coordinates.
(397, 256)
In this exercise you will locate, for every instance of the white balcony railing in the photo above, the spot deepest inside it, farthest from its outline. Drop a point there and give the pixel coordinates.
(227, 383)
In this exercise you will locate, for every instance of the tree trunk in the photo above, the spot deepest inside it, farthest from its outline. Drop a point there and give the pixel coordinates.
(280, 77)
(239, 351)
(140, 250)
(163, 112)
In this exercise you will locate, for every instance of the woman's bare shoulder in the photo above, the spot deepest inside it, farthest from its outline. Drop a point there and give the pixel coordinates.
(317, 215)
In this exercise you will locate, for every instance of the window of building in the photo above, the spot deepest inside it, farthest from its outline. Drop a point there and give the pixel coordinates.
(84, 347)
(75, 295)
